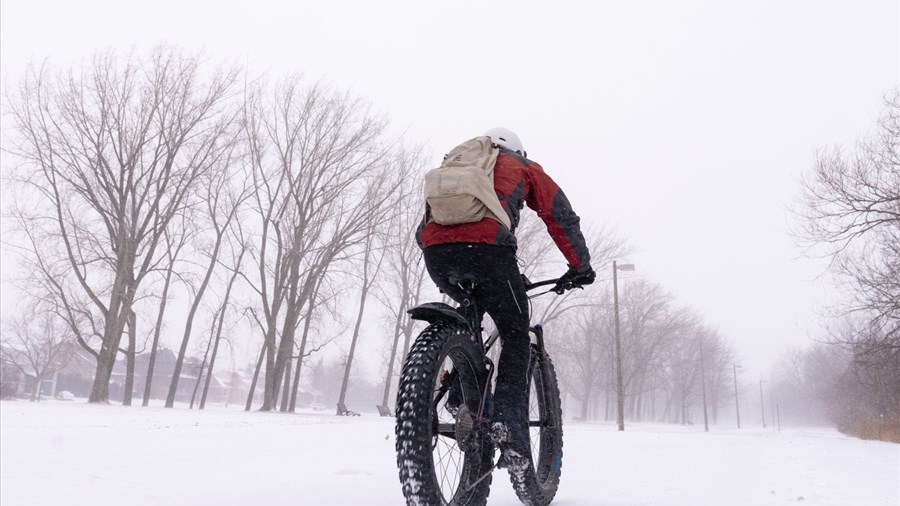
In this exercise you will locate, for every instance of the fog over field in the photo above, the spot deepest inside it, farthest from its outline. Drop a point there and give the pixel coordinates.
(209, 217)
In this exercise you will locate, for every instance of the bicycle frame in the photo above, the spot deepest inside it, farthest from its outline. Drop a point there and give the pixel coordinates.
(475, 320)
(450, 360)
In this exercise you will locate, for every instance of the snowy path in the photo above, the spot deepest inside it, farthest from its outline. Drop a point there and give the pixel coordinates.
(56, 453)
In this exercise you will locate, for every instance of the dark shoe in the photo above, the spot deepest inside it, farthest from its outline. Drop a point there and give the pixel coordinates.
(502, 434)
(512, 461)
(513, 456)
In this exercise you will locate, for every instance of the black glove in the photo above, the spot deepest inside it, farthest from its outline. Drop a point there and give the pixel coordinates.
(575, 278)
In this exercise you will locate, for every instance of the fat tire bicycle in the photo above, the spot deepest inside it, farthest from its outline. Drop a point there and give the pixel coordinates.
(448, 367)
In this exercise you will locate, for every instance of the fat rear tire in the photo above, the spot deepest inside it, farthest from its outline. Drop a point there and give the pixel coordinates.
(433, 470)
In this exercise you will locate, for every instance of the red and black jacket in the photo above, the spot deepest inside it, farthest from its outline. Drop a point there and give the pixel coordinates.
(517, 181)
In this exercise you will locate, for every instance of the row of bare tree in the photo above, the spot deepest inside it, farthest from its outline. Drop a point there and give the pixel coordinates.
(140, 181)
(144, 184)
(668, 353)
(849, 212)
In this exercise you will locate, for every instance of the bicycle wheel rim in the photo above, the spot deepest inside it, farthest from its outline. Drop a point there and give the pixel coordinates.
(454, 469)
(544, 426)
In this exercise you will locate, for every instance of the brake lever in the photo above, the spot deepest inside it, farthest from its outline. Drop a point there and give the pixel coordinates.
(561, 289)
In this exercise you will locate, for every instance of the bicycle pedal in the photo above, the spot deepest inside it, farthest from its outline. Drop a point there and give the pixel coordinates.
(499, 433)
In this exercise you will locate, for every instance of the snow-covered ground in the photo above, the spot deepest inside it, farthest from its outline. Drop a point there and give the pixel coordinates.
(70, 453)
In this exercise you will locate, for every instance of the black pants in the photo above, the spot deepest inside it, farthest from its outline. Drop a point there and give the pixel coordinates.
(500, 293)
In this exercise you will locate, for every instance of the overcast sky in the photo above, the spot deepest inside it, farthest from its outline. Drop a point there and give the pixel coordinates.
(684, 125)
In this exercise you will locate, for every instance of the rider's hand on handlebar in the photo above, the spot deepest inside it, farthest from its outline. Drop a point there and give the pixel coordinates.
(575, 278)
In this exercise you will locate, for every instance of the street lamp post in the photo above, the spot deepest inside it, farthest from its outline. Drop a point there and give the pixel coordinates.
(737, 407)
(762, 405)
(620, 393)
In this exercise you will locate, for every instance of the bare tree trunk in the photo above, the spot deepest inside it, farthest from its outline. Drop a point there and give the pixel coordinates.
(286, 390)
(179, 361)
(112, 336)
(129, 360)
(172, 252)
(390, 367)
(151, 364)
(269, 379)
(364, 291)
(222, 310)
(407, 334)
(262, 355)
(296, 384)
(36, 391)
(285, 348)
(198, 381)
(606, 402)
(302, 351)
(342, 398)
(585, 405)
(212, 363)
(209, 344)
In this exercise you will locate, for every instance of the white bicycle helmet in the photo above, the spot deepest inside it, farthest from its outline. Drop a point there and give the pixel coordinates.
(506, 138)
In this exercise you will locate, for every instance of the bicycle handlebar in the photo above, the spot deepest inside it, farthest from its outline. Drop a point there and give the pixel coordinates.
(531, 286)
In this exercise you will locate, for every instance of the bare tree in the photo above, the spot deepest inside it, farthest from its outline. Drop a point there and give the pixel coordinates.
(202, 370)
(394, 185)
(308, 344)
(719, 374)
(539, 259)
(850, 206)
(311, 151)
(850, 210)
(401, 287)
(371, 258)
(650, 321)
(806, 381)
(174, 242)
(582, 349)
(237, 252)
(36, 344)
(47, 282)
(110, 153)
(225, 190)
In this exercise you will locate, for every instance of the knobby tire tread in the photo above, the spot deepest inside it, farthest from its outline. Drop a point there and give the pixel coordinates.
(414, 417)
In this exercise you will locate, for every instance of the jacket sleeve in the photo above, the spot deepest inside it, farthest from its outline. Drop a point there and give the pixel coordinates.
(548, 200)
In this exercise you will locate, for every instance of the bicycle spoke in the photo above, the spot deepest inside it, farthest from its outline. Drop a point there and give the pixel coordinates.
(449, 462)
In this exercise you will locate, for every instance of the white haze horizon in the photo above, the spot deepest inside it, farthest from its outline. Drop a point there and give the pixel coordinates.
(684, 126)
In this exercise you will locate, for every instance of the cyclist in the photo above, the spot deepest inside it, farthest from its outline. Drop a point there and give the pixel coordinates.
(485, 252)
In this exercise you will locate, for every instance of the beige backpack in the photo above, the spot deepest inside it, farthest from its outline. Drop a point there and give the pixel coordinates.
(461, 190)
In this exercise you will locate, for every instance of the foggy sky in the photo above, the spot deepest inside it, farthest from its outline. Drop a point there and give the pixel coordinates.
(683, 125)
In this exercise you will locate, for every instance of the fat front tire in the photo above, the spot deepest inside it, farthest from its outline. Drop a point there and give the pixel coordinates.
(536, 485)
(443, 370)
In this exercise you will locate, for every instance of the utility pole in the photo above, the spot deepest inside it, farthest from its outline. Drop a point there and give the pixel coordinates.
(703, 385)
(620, 389)
(762, 406)
(737, 407)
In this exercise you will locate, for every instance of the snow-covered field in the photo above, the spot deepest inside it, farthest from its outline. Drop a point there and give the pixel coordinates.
(58, 453)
